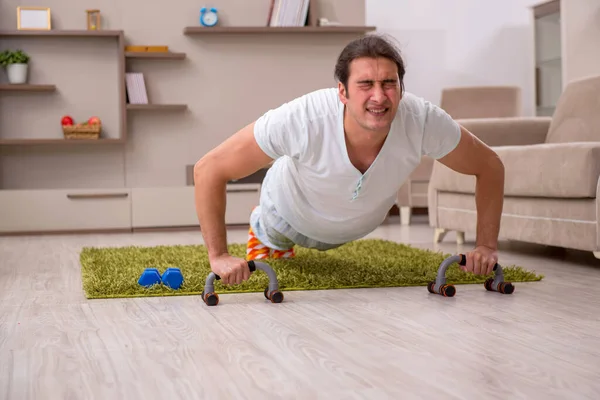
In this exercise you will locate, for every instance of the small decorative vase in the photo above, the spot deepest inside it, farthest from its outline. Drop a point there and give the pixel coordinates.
(17, 73)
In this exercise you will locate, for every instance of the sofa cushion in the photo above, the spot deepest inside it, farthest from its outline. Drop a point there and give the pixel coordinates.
(576, 118)
(508, 131)
(562, 170)
(482, 101)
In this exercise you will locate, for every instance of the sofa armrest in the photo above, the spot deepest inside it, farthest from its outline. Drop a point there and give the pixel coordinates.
(509, 131)
(564, 170)
(558, 170)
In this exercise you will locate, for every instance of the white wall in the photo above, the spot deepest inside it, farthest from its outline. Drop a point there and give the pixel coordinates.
(580, 21)
(461, 43)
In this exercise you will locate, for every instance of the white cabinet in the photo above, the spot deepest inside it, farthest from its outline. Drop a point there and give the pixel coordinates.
(64, 210)
(175, 206)
(38, 211)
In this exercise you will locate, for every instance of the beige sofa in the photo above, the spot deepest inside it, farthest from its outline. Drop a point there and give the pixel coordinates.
(460, 103)
(552, 167)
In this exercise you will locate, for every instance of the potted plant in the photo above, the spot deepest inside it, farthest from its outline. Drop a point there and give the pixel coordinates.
(16, 63)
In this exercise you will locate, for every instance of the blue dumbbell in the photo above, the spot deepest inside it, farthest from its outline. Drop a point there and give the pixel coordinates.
(172, 278)
(149, 277)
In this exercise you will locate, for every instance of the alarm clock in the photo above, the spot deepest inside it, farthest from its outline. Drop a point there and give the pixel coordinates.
(208, 17)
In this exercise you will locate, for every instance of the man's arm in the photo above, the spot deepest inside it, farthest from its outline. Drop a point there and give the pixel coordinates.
(473, 157)
(235, 158)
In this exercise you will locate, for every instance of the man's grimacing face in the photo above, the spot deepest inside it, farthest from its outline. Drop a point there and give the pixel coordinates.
(374, 93)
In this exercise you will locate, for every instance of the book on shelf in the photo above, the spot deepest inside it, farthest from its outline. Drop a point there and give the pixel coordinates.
(288, 13)
(136, 88)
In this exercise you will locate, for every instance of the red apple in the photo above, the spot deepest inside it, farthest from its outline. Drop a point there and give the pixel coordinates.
(66, 120)
(94, 121)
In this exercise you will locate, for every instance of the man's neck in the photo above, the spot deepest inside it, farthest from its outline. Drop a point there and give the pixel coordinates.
(363, 145)
(360, 138)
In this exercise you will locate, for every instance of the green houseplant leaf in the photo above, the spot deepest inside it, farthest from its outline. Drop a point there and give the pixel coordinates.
(8, 57)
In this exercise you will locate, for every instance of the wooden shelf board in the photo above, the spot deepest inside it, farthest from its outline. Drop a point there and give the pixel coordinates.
(19, 142)
(155, 55)
(62, 33)
(156, 107)
(27, 87)
(199, 30)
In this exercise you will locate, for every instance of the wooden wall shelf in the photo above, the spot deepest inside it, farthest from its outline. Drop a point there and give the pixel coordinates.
(156, 55)
(72, 33)
(62, 33)
(27, 88)
(199, 30)
(28, 142)
(156, 107)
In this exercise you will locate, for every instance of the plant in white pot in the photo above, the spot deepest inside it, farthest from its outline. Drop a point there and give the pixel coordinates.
(16, 63)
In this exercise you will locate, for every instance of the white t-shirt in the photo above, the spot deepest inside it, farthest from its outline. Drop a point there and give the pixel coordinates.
(313, 184)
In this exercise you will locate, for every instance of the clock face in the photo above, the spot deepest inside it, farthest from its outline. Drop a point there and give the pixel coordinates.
(210, 18)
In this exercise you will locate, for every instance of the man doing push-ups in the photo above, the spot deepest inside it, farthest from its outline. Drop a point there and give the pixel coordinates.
(339, 157)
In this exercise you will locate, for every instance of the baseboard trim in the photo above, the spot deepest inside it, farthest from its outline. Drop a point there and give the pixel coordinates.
(67, 232)
(115, 231)
(165, 229)
(183, 228)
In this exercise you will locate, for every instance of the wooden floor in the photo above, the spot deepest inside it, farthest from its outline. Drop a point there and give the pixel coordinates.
(543, 342)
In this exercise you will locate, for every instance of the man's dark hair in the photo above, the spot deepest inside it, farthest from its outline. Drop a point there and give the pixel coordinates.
(371, 46)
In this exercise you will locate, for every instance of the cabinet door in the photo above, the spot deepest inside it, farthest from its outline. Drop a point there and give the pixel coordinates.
(176, 207)
(64, 210)
(163, 207)
(241, 199)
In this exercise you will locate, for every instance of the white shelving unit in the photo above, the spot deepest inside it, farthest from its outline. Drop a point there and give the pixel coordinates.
(548, 56)
(210, 83)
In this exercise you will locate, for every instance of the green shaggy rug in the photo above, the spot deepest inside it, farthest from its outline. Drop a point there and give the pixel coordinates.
(368, 263)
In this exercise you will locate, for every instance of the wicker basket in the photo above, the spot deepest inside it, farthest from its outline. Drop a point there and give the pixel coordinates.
(82, 132)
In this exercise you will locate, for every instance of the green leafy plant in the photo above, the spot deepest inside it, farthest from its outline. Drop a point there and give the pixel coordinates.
(13, 57)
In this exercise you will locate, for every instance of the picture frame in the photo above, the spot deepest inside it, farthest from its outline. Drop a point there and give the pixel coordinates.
(33, 19)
